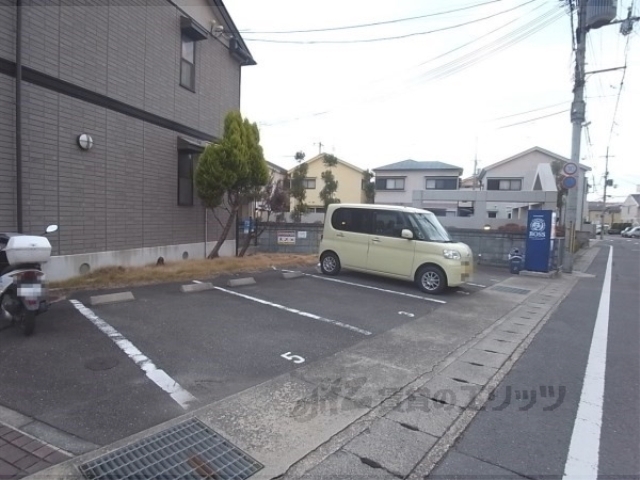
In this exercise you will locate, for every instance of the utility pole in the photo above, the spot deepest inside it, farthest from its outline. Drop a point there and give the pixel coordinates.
(577, 118)
(320, 145)
(604, 195)
(475, 167)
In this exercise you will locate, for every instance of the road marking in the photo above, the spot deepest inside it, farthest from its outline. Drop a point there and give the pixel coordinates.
(462, 292)
(293, 358)
(410, 295)
(583, 456)
(156, 375)
(197, 281)
(476, 285)
(293, 310)
(408, 314)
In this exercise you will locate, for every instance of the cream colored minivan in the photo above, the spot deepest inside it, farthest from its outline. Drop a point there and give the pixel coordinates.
(397, 242)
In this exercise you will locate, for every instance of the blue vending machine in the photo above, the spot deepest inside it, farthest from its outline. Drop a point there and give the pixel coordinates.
(540, 236)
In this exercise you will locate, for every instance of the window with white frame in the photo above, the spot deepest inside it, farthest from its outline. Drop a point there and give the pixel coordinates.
(504, 184)
(390, 183)
(450, 183)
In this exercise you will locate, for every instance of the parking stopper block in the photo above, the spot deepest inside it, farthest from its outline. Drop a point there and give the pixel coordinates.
(196, 287)
(240, 282)
(291, 275)
(111, 298)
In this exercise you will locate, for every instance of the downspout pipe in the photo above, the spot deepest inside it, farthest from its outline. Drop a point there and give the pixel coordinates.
(19, 219)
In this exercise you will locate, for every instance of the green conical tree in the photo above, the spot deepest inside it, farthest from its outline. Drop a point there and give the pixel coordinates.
(231, 172)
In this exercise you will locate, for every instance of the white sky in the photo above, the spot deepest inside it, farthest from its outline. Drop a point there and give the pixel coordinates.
(373, 104)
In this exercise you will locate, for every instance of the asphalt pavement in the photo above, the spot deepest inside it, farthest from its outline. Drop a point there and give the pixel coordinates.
(73, 377)
(357, 376)
(526, 429)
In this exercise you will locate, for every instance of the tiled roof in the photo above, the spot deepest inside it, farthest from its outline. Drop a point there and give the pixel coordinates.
(416, 165)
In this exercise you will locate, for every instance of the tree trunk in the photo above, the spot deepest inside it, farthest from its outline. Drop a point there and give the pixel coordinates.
(255, 235)
(246, 243)
(225, 232)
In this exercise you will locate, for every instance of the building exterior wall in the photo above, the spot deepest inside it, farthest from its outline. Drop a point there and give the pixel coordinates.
(415, 180)
(630, 212)
(349, 183)
(609, 217)
(525, 168)
(119, 199)
(7, 151)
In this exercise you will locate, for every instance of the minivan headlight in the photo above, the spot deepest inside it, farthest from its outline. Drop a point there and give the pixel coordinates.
(451, 254)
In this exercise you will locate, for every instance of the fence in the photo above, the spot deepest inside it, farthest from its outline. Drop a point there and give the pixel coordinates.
(301, 238)
(489, 247)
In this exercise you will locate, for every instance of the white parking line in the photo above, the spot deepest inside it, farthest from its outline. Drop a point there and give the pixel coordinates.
(296, 311)
(156, 375)
(410, 295)
(584, 449)
(476, 285)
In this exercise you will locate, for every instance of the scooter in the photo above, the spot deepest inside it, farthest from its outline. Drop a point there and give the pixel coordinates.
(23, 293)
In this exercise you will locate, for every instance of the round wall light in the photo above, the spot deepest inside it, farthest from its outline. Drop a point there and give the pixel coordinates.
(85, 141)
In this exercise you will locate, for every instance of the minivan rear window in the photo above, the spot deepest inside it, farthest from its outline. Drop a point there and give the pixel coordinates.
(352, 220)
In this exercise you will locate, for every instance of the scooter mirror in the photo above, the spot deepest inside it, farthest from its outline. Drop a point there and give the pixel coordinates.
(52, 228)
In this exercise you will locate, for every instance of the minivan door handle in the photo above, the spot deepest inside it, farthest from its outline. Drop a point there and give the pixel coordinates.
(375, 239)
(339, 234)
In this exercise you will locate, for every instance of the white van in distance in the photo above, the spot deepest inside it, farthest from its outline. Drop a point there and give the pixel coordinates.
(397, 242)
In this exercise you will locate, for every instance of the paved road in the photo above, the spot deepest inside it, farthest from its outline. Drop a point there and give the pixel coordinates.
(72, 376)
(531, 437)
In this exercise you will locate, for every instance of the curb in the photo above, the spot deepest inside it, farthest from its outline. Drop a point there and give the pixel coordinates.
(240, 282)
(196, 287)
(292, 275)
(111, 298)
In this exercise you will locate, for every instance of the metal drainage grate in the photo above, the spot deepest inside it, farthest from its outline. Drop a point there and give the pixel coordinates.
(189, 450)
(519, 291)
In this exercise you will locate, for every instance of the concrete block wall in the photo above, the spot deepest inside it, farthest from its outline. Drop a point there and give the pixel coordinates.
(490, 248)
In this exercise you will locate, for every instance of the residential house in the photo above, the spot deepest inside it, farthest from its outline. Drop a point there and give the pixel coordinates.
(470, 183)
(279, 181)
(397, 182)
(117, 102)
(350, 185)
(612, 213)
(503, 193)
(528, 171)
(630, 209)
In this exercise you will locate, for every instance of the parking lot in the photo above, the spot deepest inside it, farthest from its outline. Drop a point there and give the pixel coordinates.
(105, 372)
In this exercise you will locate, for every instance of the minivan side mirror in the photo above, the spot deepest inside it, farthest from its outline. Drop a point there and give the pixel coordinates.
(406, 233)
(52, 229)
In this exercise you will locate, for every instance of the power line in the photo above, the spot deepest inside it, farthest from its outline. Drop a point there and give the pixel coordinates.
(534, 119)
(615, 110)
(483, 52)
(529, 111)
(384, 95)
(505, 41)
(373, 24)
(382, 39)
(567, 102)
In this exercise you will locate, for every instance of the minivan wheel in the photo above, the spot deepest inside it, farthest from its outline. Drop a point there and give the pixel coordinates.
(330, 263)
(431, 279)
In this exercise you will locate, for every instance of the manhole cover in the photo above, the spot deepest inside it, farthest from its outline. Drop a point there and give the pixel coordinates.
(189, 450)
(519, 291)
(101, 363)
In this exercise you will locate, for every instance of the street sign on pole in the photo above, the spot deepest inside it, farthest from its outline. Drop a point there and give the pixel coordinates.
(570, 168)
(569, 182)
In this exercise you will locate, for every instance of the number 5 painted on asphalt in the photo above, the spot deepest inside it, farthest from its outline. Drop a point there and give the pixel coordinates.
(293, 358)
